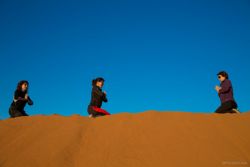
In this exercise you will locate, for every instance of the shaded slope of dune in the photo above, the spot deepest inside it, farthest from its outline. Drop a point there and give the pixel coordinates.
(148, 139)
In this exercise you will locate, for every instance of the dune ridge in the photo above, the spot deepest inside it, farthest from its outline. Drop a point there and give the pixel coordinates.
(148, 139)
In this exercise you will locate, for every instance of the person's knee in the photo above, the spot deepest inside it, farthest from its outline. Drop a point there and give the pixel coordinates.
(219, 111)
(12, 113)
(91, 112)
(15, 113)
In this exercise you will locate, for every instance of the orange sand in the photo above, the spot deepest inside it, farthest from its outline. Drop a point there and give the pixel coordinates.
(149, 139)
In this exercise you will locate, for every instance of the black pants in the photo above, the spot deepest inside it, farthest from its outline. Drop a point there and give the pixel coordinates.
(227, 107)
(16, 113)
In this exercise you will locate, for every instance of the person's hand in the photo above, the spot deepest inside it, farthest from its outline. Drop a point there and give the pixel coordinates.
(217, 88)
(26, 97)
(105, 93)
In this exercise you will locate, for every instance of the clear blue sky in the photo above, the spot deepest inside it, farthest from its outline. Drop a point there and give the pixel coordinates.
(161, 55)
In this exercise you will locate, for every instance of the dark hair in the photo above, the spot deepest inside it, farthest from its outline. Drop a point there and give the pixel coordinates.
(99, 79)
(19, 85)
(224, 74)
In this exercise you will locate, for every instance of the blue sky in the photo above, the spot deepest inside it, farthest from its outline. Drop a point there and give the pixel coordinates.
(161, 55)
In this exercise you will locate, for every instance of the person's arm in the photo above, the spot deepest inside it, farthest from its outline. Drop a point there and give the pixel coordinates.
(104, 97)
(217, 88)
(18, 97)
(225, 87)
(30, 102)
(101, 94)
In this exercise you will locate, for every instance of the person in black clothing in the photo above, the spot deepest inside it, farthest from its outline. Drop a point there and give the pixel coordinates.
(97, 98)
(20, 100)
(226, 94)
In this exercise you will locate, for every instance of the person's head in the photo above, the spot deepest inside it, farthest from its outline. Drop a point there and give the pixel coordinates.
(222, 76)
(23, 86)
(99, 82)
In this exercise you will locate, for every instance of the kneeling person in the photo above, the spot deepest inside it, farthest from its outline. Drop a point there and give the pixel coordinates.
(21, 98)
(97, 98)
(225, 92)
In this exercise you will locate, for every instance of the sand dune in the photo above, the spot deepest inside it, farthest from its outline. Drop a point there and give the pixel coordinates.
(149, 139)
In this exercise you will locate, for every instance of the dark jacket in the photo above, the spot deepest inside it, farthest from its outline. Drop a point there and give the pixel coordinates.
(97, 97)
(19, 101)
(226, 93)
